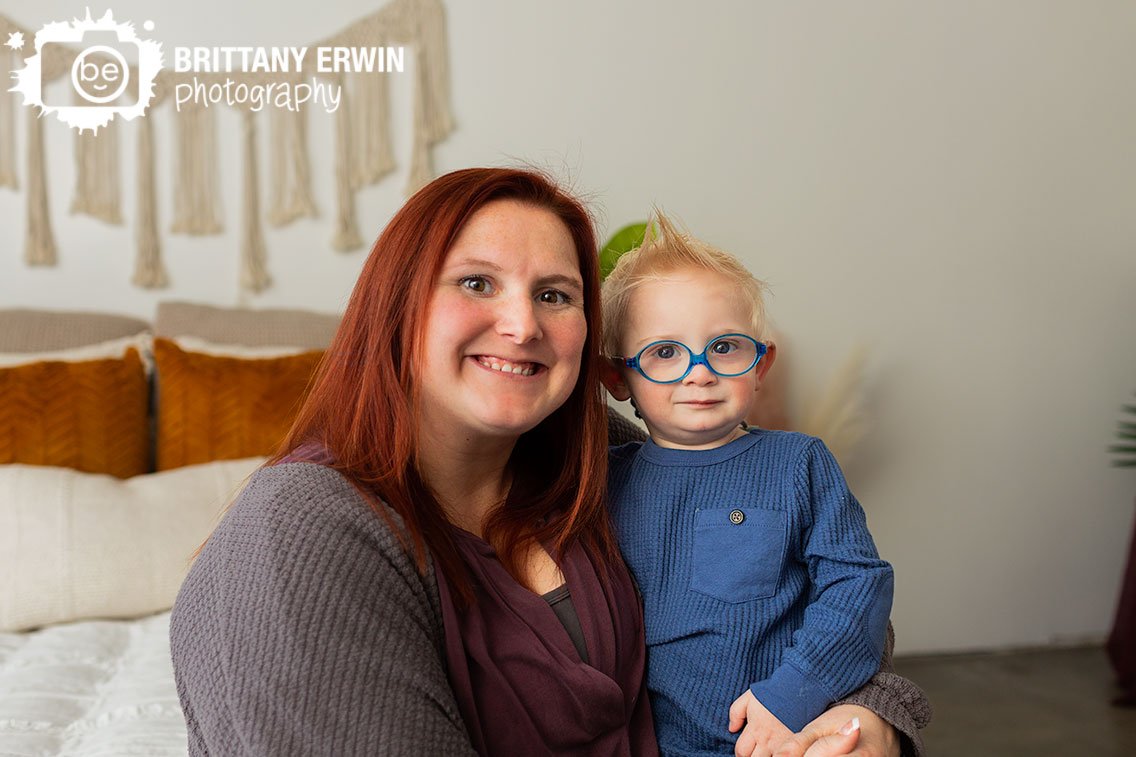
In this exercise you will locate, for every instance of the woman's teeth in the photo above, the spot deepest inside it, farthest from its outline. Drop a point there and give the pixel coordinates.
(519, 369)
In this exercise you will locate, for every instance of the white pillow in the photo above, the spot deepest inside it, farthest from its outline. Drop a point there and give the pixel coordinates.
(83, 545)
(110, 349)
(204, 347)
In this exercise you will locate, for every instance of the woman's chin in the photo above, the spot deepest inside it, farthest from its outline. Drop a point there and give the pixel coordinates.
(509, 425)
(514, 413)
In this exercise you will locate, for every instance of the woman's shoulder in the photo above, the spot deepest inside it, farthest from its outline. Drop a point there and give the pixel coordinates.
(308, 515)
(309, 494)
(272, 485)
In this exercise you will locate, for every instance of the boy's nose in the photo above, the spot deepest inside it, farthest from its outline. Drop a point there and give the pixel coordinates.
(517, 320)
(700, 375)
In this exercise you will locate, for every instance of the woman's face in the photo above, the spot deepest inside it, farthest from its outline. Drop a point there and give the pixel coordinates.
(505, 326)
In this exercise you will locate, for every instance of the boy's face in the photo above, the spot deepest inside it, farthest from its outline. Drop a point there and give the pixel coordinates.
(691, 306)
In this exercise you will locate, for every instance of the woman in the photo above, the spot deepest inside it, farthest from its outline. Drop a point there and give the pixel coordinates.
(426, 567)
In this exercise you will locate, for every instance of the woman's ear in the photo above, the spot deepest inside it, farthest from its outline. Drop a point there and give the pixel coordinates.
(612, 378)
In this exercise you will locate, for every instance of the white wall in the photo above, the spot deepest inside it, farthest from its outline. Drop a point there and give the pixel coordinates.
(953, 183)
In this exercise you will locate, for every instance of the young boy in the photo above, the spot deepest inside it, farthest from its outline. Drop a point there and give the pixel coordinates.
(764, 597)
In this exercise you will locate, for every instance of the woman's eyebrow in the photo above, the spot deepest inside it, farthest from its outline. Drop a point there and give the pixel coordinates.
(561, 279)
(473, 263)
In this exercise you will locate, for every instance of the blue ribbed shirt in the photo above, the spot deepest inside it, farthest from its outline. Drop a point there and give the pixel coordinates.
(757, 571)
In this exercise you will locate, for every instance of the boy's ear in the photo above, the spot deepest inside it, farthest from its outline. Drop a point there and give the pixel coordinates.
(766, 362)
(612, 378)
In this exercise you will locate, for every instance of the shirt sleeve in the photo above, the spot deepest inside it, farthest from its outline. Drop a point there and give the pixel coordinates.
(305, 628)
(841, 641)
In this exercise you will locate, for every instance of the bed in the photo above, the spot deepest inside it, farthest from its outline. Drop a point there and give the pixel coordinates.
(97, 687)
(121, 442)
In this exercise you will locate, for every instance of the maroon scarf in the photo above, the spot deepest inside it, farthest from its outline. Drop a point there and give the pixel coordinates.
(520, 684)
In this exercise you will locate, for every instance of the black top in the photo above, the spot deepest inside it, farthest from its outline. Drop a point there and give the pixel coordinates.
(561, 601)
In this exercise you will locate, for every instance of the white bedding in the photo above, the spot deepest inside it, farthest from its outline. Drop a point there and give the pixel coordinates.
(91, 688)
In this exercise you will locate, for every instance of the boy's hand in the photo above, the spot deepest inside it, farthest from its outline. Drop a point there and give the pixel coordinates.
(763, 732)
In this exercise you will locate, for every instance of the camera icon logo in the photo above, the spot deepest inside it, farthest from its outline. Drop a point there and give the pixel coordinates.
(103, 81)
(100, 82)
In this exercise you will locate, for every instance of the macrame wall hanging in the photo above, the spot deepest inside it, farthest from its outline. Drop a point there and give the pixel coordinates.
(363, 154)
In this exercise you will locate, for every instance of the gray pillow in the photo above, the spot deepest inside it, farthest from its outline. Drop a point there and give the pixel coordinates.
(27, 330)
(251, 328)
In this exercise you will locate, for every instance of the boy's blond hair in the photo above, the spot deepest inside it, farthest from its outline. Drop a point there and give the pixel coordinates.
(666, 249)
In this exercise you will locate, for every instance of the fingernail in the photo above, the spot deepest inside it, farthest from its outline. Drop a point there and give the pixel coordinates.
(850, 726)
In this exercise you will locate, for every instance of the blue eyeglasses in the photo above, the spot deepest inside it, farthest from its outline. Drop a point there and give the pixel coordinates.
(666, 362)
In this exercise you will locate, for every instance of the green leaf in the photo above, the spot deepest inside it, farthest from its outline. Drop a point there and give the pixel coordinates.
(1125, 453)
(624, 240)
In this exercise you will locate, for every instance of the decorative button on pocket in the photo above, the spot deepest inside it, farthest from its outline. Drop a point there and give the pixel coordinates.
(736, 517)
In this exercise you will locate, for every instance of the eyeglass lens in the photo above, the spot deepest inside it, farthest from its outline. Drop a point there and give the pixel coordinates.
(668, 361)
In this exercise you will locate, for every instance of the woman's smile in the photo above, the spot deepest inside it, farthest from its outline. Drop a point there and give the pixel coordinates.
(505, 365)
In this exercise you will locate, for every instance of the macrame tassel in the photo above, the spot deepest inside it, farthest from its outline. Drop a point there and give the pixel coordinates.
(421, 163)
(96, 174)
(436, 71)
(432, 118)
(370, 136)
(254, 275)
(290, 169)
(149, 271)
(7, 124)
(39, 249)
(196, 191)
(346, 226)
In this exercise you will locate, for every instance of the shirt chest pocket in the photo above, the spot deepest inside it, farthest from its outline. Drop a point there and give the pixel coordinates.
(738, 553)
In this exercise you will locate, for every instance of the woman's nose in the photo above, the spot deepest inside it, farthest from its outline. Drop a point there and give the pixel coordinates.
(517, 319)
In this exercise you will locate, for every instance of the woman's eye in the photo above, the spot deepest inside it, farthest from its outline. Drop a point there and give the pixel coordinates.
(554, 297)
(476, 284)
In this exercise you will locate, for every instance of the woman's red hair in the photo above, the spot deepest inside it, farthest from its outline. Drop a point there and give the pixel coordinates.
(361, 409)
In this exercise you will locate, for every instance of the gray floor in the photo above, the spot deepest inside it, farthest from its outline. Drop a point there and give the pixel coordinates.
(1051, 702)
